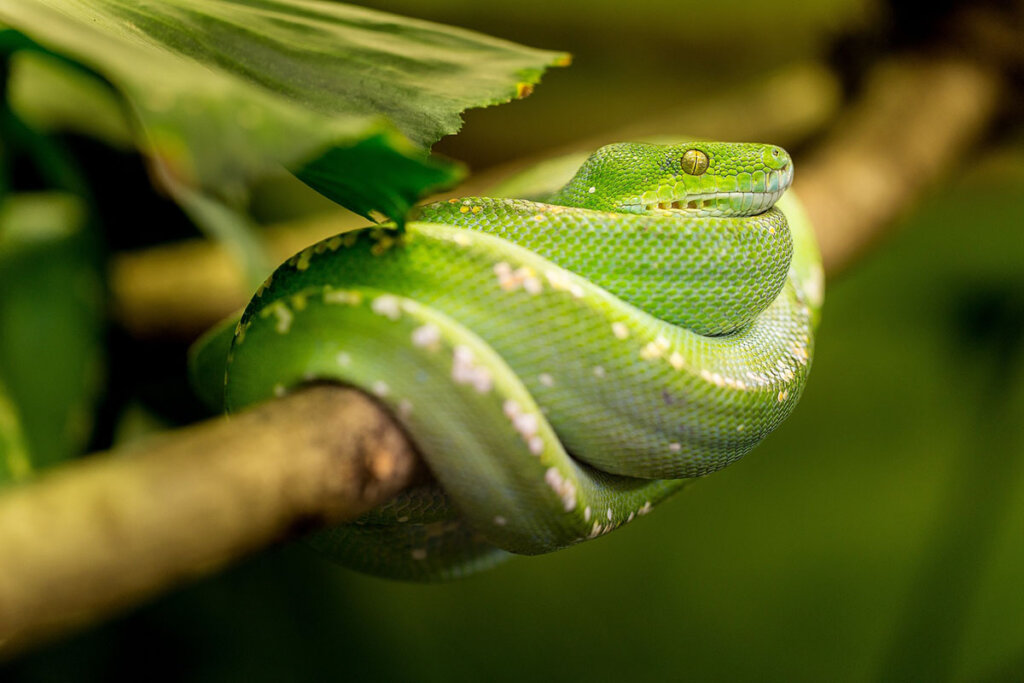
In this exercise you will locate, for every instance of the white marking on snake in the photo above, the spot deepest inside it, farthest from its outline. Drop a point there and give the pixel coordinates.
(280, 390)
(465, 370)
(650, 352)
(645, 509)
(342, 296)
(284, 316)
(380, 388)
(387, 306)
(562, 486)
(343, 359)
(560, 281)
(506, 280)
(609, 514)
(675, 447)
(427, 337)
(620, 330)
(655, 349)
(546, 379)
(511, 409)
(586, 514)
(599, 371)
(525, 424)
(500, 521)
(531, 283)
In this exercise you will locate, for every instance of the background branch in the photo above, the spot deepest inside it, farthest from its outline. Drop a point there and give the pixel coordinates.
(108, 531)
(914, 121)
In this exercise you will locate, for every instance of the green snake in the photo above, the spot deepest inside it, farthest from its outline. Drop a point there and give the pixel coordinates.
(562, 363)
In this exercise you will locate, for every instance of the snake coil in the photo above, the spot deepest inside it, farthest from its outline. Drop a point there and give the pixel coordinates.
(562, 363)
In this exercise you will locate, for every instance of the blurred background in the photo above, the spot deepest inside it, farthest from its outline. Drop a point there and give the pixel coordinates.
(875, 536)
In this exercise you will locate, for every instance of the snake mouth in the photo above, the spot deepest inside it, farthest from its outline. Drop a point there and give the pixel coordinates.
(748, 201)
(719, 203)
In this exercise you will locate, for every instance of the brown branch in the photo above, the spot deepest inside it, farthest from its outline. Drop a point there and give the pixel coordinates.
(108, 531)
(113, 529)
(914, 121)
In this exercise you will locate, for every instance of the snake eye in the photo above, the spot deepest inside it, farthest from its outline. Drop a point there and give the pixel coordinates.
(694, 162)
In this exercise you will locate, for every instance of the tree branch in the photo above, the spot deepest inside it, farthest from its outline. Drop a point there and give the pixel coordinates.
(110, 530)
(915, 119)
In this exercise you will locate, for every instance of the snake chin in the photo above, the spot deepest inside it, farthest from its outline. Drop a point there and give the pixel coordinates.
(715, 204)
(757, 197)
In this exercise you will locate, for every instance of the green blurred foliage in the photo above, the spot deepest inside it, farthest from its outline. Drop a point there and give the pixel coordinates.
(224, 93)
(15, 463)
(51, 323)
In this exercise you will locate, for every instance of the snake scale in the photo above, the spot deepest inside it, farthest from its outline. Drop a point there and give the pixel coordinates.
(562, 365)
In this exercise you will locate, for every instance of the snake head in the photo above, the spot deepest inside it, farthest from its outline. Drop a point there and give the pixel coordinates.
(692, 178)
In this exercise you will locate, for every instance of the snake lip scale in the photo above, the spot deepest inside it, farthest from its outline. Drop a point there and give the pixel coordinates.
(653, 318)
(708, 204)
(759, 194)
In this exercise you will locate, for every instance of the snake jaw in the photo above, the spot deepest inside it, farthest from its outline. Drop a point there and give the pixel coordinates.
(718, 204)
(760, 197)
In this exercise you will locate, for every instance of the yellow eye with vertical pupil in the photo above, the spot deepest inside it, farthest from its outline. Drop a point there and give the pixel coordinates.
(694, 162)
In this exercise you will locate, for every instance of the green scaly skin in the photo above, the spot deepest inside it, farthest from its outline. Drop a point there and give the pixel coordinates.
(646, 319)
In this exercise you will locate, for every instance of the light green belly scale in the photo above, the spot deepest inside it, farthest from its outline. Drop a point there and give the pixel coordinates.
(549, 409)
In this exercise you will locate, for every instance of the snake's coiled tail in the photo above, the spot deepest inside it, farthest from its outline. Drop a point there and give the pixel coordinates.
(561, 368)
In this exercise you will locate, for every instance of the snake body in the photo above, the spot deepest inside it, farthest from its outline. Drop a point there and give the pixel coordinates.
(562, 365)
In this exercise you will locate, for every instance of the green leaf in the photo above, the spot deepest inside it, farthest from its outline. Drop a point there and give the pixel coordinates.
(51, 328)
(51, 95)
(394, 184)
(207, 361)
(14, 458)
(227, 92)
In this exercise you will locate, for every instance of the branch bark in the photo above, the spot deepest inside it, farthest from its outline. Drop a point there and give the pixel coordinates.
(109, 531)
